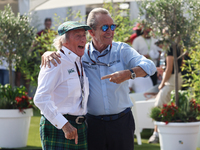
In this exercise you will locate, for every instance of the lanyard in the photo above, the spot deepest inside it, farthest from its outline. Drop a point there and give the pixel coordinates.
(79, 71)
(97, 62)
(80, 75)
(148, 45)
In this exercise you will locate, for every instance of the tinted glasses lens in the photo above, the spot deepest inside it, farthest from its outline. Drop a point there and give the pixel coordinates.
(105, 28)
(113, 27)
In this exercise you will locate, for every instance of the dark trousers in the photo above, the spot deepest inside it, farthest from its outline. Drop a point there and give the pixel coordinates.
(111, 135)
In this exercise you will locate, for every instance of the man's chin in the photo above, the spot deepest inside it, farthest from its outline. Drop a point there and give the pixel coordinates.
(81, 54)
(109, 41)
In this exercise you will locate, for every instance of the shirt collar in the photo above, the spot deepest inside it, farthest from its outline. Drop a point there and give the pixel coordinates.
(71, 55)
(92, 48)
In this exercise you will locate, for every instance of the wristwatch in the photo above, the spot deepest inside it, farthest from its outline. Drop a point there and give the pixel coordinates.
(133, 75)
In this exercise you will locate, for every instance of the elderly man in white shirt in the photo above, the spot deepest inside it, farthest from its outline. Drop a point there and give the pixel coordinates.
(63, 91)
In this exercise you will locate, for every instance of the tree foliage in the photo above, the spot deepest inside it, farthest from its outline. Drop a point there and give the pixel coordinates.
(180, 17)
(16, 37)
(192, 66)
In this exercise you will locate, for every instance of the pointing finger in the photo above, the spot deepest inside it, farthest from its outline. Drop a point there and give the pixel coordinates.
(106, 77)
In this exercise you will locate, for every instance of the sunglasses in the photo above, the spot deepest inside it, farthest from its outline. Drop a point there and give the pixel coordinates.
(106, 27)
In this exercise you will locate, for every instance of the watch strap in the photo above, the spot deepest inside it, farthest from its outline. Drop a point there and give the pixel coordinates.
(131, 71)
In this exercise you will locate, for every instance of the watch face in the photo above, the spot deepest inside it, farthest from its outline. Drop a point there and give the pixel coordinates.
(132, 75)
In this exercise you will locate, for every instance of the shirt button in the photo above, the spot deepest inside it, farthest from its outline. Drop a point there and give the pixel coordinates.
(56, 125)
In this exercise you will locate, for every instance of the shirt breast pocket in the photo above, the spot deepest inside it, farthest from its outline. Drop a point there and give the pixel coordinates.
(74, 87)
(116, 67)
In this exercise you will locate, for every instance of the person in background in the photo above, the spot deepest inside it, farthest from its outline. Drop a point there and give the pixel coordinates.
(137, 32)
(47, 24)
(109, 65)
(62, 93)
(145, 45)
(4, 72)
(167, 84)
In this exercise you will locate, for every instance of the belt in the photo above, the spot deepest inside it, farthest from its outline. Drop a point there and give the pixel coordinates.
(110, 117)
(77, 119)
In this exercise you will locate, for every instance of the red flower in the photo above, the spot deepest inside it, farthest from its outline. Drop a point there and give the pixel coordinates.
(18, 99)
(164, 105)
(172, 104)
(24, 97)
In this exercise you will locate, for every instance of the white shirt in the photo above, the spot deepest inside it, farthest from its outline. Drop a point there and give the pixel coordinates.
(59, 90)
(147, 46)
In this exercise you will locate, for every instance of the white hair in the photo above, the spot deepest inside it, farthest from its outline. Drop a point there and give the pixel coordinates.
(58, 41)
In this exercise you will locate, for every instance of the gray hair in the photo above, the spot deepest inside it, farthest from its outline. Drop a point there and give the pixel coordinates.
(91, 20)
(58, 41)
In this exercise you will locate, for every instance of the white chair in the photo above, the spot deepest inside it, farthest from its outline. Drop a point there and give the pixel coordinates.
(141, 109)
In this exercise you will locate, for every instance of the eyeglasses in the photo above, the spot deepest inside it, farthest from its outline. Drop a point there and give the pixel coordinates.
(106, 27)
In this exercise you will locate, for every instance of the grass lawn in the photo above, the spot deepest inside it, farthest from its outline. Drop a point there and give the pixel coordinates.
(34, 137)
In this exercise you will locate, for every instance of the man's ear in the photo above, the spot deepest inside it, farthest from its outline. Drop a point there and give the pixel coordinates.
(91, 32)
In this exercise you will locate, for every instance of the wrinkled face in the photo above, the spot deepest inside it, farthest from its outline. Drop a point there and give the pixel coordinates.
(102, 39)
(76, 42)
(47, 24)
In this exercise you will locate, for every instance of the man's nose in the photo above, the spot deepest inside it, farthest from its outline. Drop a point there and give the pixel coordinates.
(83, 39)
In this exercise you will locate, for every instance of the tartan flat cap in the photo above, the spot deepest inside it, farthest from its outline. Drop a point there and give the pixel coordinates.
(71, 25)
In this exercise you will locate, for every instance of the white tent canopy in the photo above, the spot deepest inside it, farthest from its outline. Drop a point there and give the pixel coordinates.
(51, 4)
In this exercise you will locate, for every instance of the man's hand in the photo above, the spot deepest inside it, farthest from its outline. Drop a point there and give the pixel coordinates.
(70, 132)
(118, 77)
(48, 57)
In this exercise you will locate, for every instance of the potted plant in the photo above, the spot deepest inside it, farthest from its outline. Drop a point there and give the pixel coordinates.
(182, 19)
(16, 38)
(15, 114)
(178, 126)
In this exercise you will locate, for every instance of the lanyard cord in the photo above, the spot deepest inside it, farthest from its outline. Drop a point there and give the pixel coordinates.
(80, 75)
(148, 45)
(98, 62)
